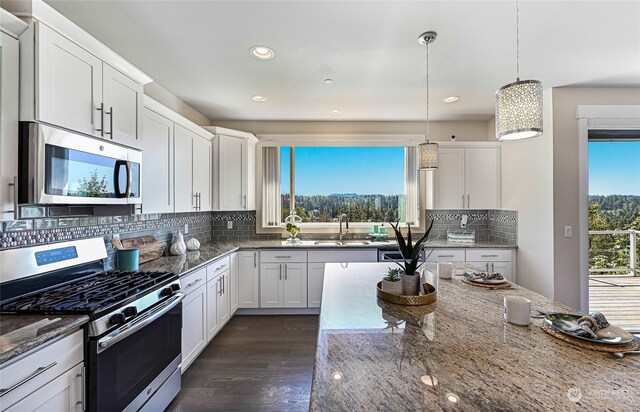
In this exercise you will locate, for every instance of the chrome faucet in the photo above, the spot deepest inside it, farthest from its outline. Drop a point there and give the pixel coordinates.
(346, 220)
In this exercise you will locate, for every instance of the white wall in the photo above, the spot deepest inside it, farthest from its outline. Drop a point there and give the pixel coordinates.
(527, 186)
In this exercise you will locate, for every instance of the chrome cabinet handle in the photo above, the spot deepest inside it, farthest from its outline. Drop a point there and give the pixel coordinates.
(489, 255)
(244, 201)
(280, 271)
(446, 256)
(286, 269)
(223, 285)
(254, 260)
(110, 132)
(37, 372)
(468, 201)
(220, 267)
(83, 398)
(15, 198)
(493, 267)
(463, 200)
(193, 283)
(283, 257)
(101, 110)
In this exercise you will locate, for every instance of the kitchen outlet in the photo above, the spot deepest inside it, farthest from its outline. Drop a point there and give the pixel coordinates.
(464, 221)
(568, 231)
(186, 228)
(230, 224)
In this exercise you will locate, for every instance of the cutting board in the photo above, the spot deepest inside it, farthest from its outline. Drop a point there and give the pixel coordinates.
(150, 248)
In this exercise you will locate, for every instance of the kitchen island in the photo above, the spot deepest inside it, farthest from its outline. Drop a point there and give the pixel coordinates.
(456, 354)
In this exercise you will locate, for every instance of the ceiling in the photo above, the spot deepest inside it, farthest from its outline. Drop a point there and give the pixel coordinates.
(199, 50)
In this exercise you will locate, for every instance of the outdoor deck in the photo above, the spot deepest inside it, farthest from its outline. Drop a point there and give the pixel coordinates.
(618, 297)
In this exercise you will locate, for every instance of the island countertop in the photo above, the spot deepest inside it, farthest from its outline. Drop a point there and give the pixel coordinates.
(456, 354)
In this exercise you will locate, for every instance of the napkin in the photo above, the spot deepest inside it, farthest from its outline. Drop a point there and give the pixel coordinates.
(482, 276)
(589, 325)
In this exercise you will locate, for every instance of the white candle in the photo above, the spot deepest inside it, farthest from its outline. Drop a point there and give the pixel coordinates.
(445, 270)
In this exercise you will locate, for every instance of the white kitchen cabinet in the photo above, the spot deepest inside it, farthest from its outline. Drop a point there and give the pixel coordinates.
(122, 98)
(224, 308)
(295, 285)
(194, 324)
(234, 177)
(9, 103)
(493, 260)
(233, 283)
(64, 393)
(157, 157)
(468, 177)
(192, 171)
(248, 279)
(271, 285)
(213, 305)
(445, 255)
(48, 378)
(315, 279)
(68, 91)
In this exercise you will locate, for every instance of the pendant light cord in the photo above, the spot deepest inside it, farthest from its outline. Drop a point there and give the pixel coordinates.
(517, 40)
(426, 134)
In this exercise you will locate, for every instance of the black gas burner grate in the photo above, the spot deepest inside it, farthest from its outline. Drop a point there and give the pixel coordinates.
(91, 294)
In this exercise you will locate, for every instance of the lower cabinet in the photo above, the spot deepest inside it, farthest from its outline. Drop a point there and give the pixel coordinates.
(213, 318)
(504, 268)
(315, 279)
(248, 279)
(233, 284)
(283, 285)
(194, 325)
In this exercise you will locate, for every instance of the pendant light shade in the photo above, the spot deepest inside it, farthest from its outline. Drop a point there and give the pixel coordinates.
(428, 156)
(519, 110)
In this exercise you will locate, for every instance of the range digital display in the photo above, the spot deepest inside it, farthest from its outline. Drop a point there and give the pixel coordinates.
(56, 255)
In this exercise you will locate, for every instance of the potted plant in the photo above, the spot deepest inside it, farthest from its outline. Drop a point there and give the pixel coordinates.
(391, 282)
(411, 254)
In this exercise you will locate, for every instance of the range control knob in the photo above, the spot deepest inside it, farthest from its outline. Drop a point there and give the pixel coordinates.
(175, 287)
(165, 292)
(117, 319)
(130, 311)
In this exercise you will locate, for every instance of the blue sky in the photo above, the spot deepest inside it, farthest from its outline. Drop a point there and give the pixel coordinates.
(614, 168)
(361, 170)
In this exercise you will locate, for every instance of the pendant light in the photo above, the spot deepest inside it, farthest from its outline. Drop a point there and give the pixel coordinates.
(427, 151)
(519, 104)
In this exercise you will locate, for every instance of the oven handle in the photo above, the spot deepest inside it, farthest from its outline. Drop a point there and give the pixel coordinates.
(151, 316)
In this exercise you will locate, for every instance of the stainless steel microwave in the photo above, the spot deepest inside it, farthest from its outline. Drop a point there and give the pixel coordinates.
(58, 166)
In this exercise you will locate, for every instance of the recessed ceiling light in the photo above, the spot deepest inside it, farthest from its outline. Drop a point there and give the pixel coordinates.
(258, 98)
(262, 52)
(335, 112)
(451, 99)
(328, 81)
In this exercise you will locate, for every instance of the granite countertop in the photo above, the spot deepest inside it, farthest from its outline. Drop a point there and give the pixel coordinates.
(372, 355)
(212, 251)
(20, 333)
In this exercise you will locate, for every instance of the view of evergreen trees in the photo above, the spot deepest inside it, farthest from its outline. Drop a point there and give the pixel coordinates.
(359, 208)
(614, 212)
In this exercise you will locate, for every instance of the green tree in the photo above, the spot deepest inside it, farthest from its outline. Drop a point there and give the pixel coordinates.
(94, 186)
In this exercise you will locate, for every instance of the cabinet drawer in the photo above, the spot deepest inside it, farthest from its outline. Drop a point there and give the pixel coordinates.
(489, 255)
(39, 368)
(446, 255)
(218, 267)
(341, 256)
(283, 256)
(193, 280)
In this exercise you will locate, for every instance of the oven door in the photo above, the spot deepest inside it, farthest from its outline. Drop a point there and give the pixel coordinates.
(125, 365)
(69, 168)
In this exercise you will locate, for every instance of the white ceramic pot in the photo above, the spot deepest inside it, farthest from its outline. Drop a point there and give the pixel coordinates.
(392, 287)
(410, 284)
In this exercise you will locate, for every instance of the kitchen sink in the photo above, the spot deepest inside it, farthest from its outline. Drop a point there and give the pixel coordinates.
(327, 243)
(341, 243)
(355, 242)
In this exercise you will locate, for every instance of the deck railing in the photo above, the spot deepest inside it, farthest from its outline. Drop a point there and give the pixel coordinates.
(633, 267)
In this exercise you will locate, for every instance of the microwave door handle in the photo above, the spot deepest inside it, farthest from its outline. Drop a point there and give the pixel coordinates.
(116, 178)
(127, 165)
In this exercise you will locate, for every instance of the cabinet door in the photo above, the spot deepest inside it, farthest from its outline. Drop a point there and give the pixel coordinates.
(248, 280)
(233, 284)
(271, 285)
(315, 279)
(202, 168)
(194, 325)
(157, 157)
(213, 296)
(231, 173)
(64, 393)
(69, 84)
(295, 285)
(450, 178)
(183, 169)
(223, 299)
(122, 99)
(249, 182)
(8, 124)
(505, 269)
(482, 178)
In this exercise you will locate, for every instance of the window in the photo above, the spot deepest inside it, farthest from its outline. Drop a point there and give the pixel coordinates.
(369, 184)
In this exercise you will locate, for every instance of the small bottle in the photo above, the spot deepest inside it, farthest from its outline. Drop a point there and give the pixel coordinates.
(376, 229)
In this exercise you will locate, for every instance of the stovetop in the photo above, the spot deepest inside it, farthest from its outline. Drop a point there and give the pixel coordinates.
(90, 295)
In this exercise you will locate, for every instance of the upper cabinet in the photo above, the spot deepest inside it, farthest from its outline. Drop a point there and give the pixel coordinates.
(234, 182)
(69, 79)
(468, 177)
(157, 157)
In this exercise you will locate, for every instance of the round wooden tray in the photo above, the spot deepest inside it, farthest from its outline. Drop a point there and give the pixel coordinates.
(408, 300)
(586, 344)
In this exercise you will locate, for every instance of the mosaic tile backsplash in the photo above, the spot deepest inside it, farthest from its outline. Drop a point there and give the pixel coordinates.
(489, 225)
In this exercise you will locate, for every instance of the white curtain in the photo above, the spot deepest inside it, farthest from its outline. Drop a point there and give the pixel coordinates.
(271, 187)
(411, 184)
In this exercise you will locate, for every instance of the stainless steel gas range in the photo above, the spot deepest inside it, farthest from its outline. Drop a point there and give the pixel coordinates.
(133, 339)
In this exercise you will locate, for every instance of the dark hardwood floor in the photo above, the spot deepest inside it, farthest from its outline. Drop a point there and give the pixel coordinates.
(256, 363)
